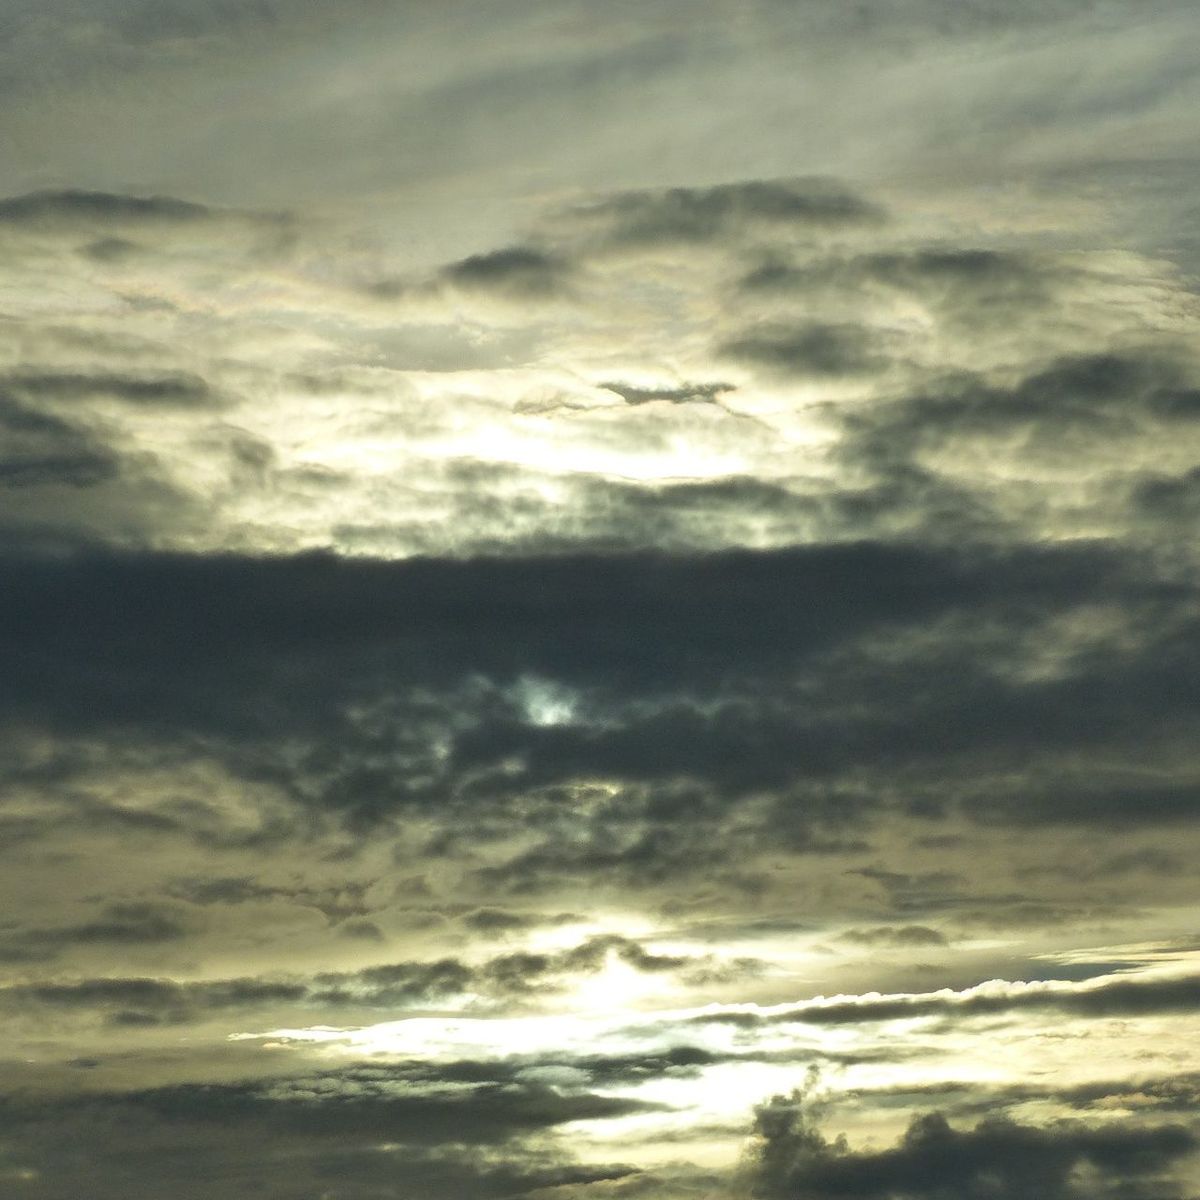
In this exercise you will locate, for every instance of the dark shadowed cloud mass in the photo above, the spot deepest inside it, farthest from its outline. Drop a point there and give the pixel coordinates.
(599, 602)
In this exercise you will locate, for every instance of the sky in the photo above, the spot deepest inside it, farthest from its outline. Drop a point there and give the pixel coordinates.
(598, 601)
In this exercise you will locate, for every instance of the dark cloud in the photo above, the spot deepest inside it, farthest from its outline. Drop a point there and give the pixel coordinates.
(124, 923)
(116, 227)
(712, 214)
(521, 272)
(521, 275)
(363, 1130)
(111, 250)
(365, 1103)
(1113, 803)
(1148, 1094)
(103, 993)
(497, 920)
(397, 983)
(78, 208)
(361, 931)
(680, 620)
(1174, 497)
(41, 450)
(1176, 1093)
(896, 935)
(934, 724)
(693, 674)
(998, 1159)
(518, 975)
(130, 922)
(1098, 396)
(337, 902)
(515, 974)
(167, 390)
(1110, 998)
(589, 956)
(965, 286)
(808, 349)
(686, 393)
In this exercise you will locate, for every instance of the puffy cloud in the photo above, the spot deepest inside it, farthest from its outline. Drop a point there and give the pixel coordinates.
(791, 1159)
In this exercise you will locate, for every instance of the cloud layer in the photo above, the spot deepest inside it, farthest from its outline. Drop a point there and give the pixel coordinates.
(590, 596)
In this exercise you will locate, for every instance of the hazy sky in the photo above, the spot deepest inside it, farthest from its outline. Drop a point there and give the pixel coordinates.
(599, 601)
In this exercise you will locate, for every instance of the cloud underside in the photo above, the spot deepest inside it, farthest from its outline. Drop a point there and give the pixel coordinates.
(822, 684)
(998, 1158)
(363, 1132)
(489, 1129)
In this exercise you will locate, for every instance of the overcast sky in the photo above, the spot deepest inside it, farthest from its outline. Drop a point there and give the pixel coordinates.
(599, 601)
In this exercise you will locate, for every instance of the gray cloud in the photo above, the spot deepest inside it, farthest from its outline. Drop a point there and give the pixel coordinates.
(999, 1158)
(122, 923)
(360, 1130)
(696, 393)
(519, 271)
(1110, 998)
(787, 582)
(965, 284)
(712, 214)
(515, 976)
(365, 1102)
(813, 349)
(41, 450)
(171, 390)
(75, 208)
(896, 935)
(178, 647)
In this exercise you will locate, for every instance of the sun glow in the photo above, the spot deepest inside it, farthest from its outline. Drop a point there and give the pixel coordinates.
(616, 987)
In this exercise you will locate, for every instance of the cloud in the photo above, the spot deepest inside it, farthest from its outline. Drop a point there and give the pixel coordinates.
(402, 693)
(690, 546)
(122, 923)
(697, 215)
(1096, 395)
(998, 1159)
(965, 286)
(168, 390)
(363, 1102)
(523, 278)
(522, 272)
(893, 935)
(694, 393)
(74, 208)
(1110, 997)
(41, 450)
(517, 976)
(813, 350)
(497, 921)
(364, 1130)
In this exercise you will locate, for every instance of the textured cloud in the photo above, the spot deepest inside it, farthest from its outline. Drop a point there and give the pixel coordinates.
(363, 1130)
(176, 645)
(75, 208)
(514, 978)
(1107, 999)
(561, 568)
(723, 213)
(998, 1158)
